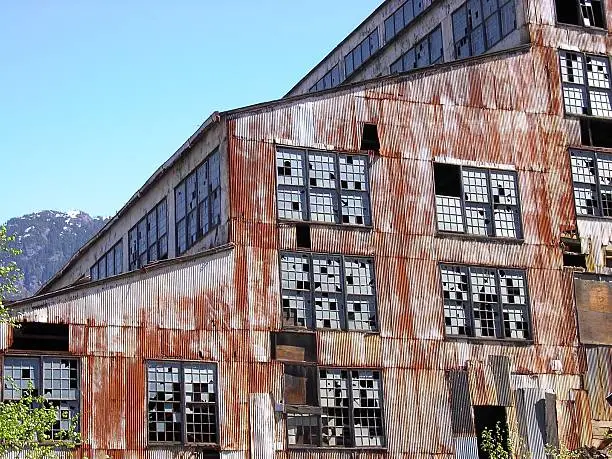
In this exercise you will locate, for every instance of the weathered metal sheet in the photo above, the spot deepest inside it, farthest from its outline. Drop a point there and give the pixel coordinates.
(262, 426)
(594, 309)
(466, 447)
(532, 420)
(598, 381)
(461, 409)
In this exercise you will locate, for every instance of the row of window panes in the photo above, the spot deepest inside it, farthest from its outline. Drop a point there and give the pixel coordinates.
(427, 52)
(403, 16)
(330, 80)
(361, 53)
(586, 84)
(148, 239)
(198, 203)
(110, 264)
(478, 25)
(327, 291)
(322, 187)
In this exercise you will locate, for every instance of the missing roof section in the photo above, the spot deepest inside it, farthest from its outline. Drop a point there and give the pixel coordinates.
(369, 138)
(37, 336)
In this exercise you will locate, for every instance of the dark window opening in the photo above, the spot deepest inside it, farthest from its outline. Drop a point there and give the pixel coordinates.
(596, 133)
(447, 179)
(587, 13)
(36, 336)
(369, 139)
(490, 417)
(302, 235)
(574, 260)
(295, 347)
(301, 387)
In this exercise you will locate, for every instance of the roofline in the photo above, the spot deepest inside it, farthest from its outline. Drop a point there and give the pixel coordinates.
(154, 266)
(347, 38)
(178, 154)
(396, 77)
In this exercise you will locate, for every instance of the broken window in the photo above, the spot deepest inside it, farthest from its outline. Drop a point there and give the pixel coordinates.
(327, 291)
(427, 52)
(198, 203)
(592, 177)
(480, 202)
(587, 13)
(361, 53)
(485, 302)
(30, 336)
(586, 84)
(348, 412)
(369, 138)
(490, 417)
(401, 17)
(110, 264)
(596, 132)
(55, 378)
(182, 403)
(330, 80)
(478, 25)
(148, 239)
(322, 187)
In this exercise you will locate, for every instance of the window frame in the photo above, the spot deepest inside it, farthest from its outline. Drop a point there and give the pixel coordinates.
(391, 19)
(306, 188)
(103, 259)
(39, 390)
(320, 84)
(467, 34)
(318, 409)
(594, 154)
(199, 199)
(469, 314)
(398, 66)
(343, 312)
(183, 404)
(585, 87)
(464, 234)
(373, 45)
(136, 263)
(580, 16)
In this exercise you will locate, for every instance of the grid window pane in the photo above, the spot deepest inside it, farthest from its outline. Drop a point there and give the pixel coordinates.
(586, 84)
(303, 429)
(182, 403)
(330, 291)
(367, 408)
(323, 207)
(335, 406)
(144, 237)
(56, 378)
(485, 302)
(290, 168)
(592, 177)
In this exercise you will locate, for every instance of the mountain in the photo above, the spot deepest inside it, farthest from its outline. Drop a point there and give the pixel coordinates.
(47, 240)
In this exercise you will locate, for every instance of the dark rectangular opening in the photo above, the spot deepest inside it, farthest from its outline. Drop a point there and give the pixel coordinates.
(369, 139)
(447, 178)
(492, 418)
(301, 386)
(37, 336)
(596, 133)
(572, 254)
(302, 234)
(294, 347)
(568, 12)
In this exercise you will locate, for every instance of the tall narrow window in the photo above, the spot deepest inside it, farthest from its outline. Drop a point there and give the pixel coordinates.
(326, 291)
(485, 302)
(480, 202)
(110, 264)
(182, 403)
(586, 84)
(148, 239)
(322, 187)
(350, 412)
(55, 378)
(198, 203)
(478, 25)
(592, 177)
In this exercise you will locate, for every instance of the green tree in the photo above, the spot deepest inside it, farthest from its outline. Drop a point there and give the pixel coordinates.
(26, 424)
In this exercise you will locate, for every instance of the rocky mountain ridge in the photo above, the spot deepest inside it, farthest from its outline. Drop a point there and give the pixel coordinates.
(47, 240)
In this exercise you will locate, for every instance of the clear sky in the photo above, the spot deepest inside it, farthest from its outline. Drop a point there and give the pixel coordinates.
(94, 96)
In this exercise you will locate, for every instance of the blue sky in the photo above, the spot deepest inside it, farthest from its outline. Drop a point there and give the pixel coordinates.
(94, 96)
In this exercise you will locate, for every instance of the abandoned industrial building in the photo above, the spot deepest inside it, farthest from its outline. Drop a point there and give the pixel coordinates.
(412, 245)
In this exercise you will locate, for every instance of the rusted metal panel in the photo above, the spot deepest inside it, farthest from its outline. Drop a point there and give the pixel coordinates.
(262, 426)
(598, 381)
(594, 309)
(461, 409)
